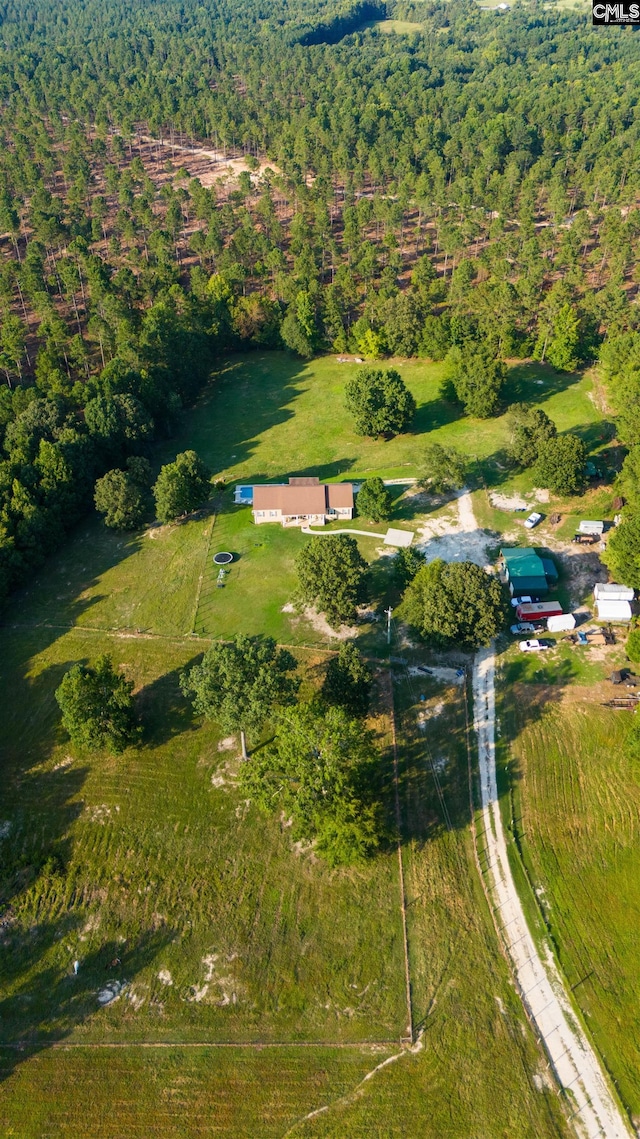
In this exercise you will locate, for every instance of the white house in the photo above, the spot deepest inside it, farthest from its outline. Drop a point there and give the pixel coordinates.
(303, 502)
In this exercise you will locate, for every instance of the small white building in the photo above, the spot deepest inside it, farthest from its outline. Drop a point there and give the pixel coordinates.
(609, 591)
(615, 611)
(587, 527)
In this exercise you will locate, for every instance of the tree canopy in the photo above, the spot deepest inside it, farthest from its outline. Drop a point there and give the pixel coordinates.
(181, 486)
(97, 706)
(121, 496)
(241, 684)
(622, 553)
(332, 577)
(379, 402)
(321, 771)
(454, 603)
(373, 500)
(347, 681)
(443, 468)
(561, 464)
(531, 429)
(476, 377)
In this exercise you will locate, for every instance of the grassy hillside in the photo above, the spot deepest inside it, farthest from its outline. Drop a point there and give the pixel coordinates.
(265, 417)
(577, 804)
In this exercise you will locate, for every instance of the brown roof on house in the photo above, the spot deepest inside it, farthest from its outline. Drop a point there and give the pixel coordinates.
(290, 499)
(340, 494)
(304, 480)
(309, 498)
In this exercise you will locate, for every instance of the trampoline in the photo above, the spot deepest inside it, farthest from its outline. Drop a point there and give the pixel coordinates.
(222, 559)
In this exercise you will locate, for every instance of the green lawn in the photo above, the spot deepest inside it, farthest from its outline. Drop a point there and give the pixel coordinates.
(149, 867)
(159, 861)
(179, 878)
(174, 1093)
(265, 417)
(577, 803)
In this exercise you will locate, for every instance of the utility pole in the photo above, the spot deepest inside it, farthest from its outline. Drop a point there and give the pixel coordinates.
(389, 611)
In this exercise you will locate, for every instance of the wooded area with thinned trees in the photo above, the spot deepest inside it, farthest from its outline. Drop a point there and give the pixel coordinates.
(466, 190)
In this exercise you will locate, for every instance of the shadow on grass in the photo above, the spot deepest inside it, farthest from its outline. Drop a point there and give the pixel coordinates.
(533, 382)
(43, 1002)
(50, 1003)
(164, 711)
(247, 396)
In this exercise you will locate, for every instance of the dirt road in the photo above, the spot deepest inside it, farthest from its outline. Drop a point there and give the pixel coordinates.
(595, 1113)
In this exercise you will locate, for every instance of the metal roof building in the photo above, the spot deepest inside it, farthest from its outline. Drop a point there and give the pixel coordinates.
(525, 571)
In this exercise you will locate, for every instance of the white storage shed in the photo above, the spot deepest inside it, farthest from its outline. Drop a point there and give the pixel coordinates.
(609, 591)
(613, 610)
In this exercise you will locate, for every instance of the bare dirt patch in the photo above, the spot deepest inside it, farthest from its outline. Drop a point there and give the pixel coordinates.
(507, 501)
(454, 536)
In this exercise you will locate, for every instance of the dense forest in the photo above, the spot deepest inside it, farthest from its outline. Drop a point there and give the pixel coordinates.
(468, 188)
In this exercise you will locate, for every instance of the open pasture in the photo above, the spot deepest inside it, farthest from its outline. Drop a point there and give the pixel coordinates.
(151, 868)
(576, 805)
(264, 417)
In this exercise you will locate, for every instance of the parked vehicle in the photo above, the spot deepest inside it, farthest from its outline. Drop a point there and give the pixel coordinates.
(538, 610)
(526, 627)
(532, 520)
(586, 539)
(533, 646)
(561, 623)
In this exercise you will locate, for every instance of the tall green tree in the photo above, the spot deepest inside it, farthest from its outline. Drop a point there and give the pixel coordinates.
(561, 465)
(443, 468)
(531, 429)
(380, 402)
(121, 496)
(181, 486)
(373, 500)
(475, 377)
(97, 706)
(347, 681)
(454, 603)
(321, 771)
(332, 577)
(242, 684)
(622, 553)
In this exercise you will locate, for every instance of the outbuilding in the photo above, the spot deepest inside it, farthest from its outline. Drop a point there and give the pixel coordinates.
(616, 611)
(609, 591)
(524, 572)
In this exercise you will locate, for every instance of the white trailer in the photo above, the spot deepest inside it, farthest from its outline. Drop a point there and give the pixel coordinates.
(591, 527)
(561, 624)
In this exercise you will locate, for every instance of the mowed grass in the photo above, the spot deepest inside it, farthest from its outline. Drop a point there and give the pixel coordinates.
(151, 868)
(577, 802)
(174, 1093)
(266, 417)
(479, 1072)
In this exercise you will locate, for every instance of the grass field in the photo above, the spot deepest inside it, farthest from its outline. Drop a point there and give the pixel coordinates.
(265, 417)
(576, 798)
(150, 869)
(178, 867)
(167, 868)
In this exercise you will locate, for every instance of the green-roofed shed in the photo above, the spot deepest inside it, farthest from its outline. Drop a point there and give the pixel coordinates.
(524, 571)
